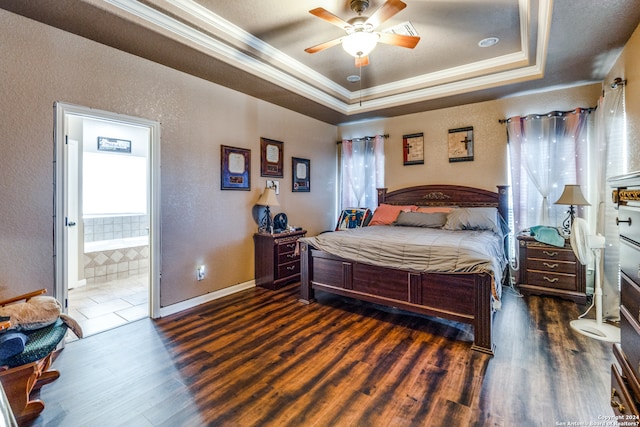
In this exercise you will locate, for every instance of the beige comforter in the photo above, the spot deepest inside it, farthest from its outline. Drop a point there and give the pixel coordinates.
(419, 249)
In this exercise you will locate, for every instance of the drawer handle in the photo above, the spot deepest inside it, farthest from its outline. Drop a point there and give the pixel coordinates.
(291, 256)
(546, 264)
(550, 253)
(553, 280)
(620, 221)
(291, 267)
(291, 245)
(614, 403)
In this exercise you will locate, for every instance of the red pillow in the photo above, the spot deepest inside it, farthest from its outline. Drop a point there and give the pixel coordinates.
(387, 214)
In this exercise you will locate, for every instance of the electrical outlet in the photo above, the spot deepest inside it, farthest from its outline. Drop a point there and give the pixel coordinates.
(200, 272)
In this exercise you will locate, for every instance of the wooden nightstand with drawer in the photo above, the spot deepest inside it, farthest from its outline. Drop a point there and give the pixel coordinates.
(550, 270)
(276, 259)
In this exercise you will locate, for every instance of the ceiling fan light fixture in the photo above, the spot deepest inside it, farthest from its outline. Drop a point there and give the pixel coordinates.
(360, 43)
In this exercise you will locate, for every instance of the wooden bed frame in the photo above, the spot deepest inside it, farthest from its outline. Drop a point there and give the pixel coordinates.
(463, 297)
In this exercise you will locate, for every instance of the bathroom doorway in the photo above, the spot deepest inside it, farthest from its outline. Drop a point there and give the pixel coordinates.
(107, 210)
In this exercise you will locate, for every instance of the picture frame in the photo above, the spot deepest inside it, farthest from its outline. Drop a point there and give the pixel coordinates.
(413, 149)
(271, 158)
(275, 185)
(460, 144)
(300, 175)
(114, 145)
(235, 168)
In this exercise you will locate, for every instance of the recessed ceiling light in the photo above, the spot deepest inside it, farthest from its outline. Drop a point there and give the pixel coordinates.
(489, 41)
(353, 78)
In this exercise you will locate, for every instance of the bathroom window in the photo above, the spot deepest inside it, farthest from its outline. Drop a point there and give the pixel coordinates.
(114, 184)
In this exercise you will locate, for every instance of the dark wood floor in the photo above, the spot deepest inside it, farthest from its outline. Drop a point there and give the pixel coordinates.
(260, 358)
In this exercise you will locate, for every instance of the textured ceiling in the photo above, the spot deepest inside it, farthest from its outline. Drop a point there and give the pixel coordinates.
(257, 47)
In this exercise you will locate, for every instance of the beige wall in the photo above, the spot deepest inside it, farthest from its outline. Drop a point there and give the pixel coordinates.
(627, 67)
(489, 167)
(200, 223)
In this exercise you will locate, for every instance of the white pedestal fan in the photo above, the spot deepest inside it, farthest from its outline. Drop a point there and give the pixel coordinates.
(585, 246)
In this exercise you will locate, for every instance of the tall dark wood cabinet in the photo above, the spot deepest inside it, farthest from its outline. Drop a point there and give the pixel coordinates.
(550, 270)
(625, 372)
(276, 260)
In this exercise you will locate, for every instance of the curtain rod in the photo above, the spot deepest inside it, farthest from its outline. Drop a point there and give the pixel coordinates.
(386, 136)
(553, 113)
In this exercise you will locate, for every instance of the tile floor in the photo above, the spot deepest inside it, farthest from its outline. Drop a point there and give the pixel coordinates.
(102, 306)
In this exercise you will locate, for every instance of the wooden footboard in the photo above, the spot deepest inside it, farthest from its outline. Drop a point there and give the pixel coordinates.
(462, 297)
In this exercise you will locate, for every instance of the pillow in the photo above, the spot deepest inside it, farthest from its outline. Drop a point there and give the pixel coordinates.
(353, 218)
(37, 312)
(432, 209)
(387, 214)
(473, 219)
(420, 219)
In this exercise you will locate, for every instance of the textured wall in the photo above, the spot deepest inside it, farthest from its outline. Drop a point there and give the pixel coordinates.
(489, 167)
(200, 223)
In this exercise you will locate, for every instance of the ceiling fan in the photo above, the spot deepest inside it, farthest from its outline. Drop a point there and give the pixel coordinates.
(361, 38)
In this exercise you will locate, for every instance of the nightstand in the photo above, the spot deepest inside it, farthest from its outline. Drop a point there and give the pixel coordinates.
(550, 270)
(276, 260)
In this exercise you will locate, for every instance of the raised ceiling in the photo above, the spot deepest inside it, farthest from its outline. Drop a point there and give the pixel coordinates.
(257, 47)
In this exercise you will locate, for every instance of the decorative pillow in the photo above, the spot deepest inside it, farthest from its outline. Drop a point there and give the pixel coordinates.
(387, 214)
(35, 313)
(433, 209)
(354, 218)
(473, 219)
(420, 219)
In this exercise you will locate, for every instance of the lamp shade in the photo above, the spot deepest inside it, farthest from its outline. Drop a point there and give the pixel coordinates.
(268, 198)
(572, 195)
(360, 43)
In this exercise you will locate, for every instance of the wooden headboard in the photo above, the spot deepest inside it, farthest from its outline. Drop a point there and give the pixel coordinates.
(447, 195)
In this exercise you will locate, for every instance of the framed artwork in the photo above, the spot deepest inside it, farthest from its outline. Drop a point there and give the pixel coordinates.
(275, 185)
(235, 168)
(114, 145)
(301, 174)
(461, 144)
(271, 158)
(413, 149)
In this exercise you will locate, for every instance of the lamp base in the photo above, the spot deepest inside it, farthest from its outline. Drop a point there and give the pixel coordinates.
(601, 331)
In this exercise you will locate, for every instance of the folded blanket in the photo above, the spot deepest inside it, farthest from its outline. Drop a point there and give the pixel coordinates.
(548, 235)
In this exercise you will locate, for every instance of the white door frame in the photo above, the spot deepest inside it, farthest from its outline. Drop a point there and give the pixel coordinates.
(61, 110)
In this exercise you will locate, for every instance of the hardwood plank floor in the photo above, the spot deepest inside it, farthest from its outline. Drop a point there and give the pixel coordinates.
(260, 358)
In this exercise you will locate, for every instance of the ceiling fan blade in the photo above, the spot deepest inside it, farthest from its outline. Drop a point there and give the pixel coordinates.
(399, 40)
(329, 17)
(384, 12)
(323, 46)
(362, 61)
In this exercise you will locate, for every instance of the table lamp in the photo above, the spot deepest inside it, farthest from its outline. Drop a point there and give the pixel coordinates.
(268, 198)
(572, 196)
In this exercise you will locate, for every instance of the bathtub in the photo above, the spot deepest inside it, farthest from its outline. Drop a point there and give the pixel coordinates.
(106, 260)
(109, 245)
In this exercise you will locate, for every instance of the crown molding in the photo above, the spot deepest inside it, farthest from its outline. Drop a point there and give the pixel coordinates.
(229, 43)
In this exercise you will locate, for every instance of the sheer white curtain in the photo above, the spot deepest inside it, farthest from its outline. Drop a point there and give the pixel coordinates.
(362, 171)
(611, 149)
(545, 153)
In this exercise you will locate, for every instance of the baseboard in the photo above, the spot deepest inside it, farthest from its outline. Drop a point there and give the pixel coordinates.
(211, 296)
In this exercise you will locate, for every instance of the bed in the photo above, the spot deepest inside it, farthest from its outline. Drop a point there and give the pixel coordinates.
(468, 295)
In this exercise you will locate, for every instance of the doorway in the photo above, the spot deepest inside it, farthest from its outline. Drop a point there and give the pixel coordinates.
(106, 216)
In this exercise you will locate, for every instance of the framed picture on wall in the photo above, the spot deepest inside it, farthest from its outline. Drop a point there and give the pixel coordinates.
(271, 158)
(235, 168)
(301, 174)
(461, 144)
(413, 149)
(115, 145)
